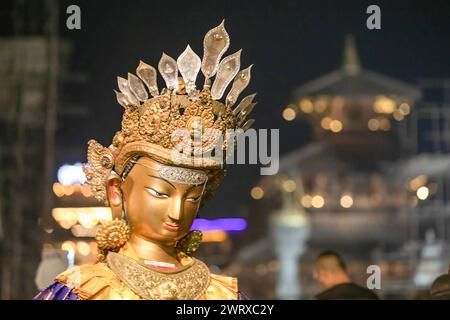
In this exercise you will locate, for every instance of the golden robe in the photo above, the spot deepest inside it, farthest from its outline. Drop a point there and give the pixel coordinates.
(99, 282)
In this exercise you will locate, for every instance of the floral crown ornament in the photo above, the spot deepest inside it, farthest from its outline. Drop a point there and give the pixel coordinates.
(164, 124)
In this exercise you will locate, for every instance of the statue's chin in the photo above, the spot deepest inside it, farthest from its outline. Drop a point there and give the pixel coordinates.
(165, 238)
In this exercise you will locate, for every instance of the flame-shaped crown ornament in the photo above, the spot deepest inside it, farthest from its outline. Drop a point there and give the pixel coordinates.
(164, 124)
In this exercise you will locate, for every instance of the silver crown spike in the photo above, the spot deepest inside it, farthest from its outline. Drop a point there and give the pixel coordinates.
(137, 87)
(148, 75)
(125, 89)
(248, 124)
(215, 44)
(168, 68)
(240, 82)
(244, 103)
(122, 99)
(244, 113)
(227, 70)
(189, 64)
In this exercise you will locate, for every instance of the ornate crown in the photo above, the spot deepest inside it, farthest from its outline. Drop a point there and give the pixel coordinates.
(178, 118)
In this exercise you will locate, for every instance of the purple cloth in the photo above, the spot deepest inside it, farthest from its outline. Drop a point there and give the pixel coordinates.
(56, 291)
(242, 296)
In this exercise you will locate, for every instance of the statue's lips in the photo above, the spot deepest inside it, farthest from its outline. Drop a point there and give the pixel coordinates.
(171, 226)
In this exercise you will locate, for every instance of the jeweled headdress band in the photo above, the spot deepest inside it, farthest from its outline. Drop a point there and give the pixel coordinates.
(182, 175)
(171, 173)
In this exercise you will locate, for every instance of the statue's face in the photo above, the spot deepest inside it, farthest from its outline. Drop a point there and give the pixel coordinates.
(158, 209)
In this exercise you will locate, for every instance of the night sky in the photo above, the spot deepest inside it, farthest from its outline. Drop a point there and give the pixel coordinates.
(289, 43)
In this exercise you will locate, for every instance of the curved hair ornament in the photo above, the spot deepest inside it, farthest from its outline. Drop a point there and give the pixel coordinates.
(98, 169)
(148, 74)
(122, 99)
(247, 124)
(168, 68)
(124, 87)
(227, 70)
(240, 82)
(189, 64)
(244, 113)
(215, 44)
(137, 87)
(245, 102)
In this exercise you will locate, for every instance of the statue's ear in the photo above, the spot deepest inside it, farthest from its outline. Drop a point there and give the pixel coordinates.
(115, 195)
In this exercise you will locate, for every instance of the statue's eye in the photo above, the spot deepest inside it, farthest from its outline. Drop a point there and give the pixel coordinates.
(157, 194)
(194, 199)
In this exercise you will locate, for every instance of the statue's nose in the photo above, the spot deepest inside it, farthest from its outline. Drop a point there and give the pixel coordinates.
(176, 210)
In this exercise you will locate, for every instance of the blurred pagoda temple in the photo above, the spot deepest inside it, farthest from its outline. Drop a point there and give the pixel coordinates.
(363, 183)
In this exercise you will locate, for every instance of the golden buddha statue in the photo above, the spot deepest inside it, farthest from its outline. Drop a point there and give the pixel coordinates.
(162, 166)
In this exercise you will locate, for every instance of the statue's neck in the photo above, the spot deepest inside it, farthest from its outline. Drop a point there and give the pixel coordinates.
(149, 251)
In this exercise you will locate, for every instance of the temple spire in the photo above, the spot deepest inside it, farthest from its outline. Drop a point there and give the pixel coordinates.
(350, 61)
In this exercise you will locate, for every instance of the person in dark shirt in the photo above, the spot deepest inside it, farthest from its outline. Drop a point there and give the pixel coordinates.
(440, 289)
(331, 274)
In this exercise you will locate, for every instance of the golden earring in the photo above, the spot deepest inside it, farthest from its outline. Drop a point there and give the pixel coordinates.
(111, 236)
(190, 243)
